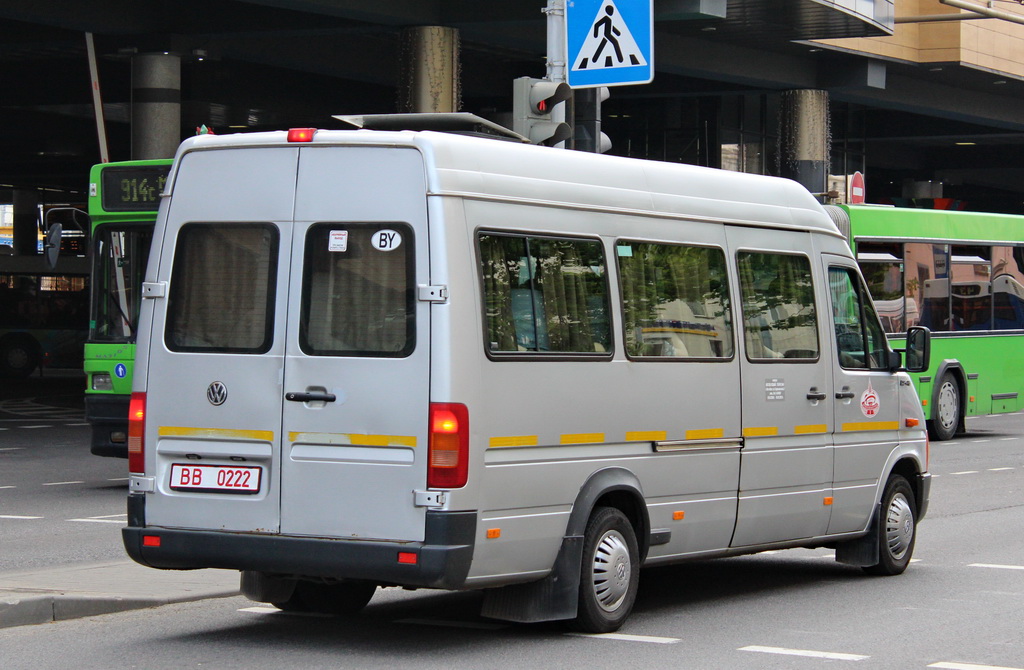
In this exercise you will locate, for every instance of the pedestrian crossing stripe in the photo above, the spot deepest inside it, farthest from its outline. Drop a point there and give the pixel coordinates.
(609, 43)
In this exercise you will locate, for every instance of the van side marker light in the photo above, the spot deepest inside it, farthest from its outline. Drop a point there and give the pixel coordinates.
(912, 423)
(408, 558)
(828, 500)
(678, 515)
(150, 540)
(493, 533)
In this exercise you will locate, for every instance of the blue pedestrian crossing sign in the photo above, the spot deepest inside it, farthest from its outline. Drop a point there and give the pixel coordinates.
(609, 43)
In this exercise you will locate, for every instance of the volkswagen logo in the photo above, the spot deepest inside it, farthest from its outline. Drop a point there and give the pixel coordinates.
(217, 393)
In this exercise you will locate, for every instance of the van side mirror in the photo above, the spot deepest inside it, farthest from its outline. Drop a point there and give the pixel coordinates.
(919, 349)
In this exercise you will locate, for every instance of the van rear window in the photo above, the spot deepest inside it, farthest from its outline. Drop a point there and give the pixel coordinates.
(222, 288)
(358, 290)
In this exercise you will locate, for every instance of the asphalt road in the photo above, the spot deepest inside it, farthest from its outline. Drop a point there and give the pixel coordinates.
(960, 605)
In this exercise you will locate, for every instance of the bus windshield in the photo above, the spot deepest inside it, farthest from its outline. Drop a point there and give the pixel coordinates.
(120, 252)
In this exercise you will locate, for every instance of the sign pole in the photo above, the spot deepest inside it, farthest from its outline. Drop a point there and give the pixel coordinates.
(556, 40)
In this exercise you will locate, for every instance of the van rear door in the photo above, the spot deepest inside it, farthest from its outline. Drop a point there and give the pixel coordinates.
(295, 357)
(356, 379)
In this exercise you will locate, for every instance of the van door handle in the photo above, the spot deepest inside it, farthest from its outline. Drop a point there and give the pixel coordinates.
(845, 394)
(815, 394)
(310, 397)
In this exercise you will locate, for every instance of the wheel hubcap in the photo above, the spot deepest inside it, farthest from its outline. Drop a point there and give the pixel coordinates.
(611, 570)
(949, 409)
(899, 526)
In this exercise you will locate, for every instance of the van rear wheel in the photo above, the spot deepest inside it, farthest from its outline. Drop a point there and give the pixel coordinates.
(609, 574)
(344, 598)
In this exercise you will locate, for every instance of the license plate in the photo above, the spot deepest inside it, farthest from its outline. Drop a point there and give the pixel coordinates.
(215, 478)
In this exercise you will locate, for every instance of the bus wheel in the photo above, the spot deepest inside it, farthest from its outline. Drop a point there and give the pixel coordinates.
(610, 572)
(897, 528)
(344, 598)
(19, 356)
(946, 413)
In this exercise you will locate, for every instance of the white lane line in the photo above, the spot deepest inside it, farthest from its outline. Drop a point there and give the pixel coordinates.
(1007, 439)
(965, 472)
(8, 487)
(37, 427)
(831, 655)
(61, 483)
(999, 469)
(970, 666)
(17, 516)
(76, 424)
(119, 522)
(273, 610)
(454, 624)
(260, 610)
(623, 637)
(11, 448)
(998, 567)
(979, 441)
(118, 479)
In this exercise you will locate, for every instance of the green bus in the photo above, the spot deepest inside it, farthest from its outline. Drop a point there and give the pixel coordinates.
(123, 202)
(961, 274)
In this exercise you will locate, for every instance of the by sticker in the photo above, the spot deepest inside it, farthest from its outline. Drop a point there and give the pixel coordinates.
(338, 240)
(870, 403)
(386, 240)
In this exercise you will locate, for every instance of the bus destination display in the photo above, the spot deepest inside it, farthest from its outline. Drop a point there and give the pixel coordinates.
(133, 189)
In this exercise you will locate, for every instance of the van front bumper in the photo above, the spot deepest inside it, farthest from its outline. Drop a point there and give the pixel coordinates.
(442, 560)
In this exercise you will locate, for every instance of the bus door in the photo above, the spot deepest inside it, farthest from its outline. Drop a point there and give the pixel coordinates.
(356, 378)
(867, 411)
(786, 460)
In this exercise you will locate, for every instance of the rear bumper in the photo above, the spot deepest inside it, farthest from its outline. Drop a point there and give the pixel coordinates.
(108, 414)
(442, 559)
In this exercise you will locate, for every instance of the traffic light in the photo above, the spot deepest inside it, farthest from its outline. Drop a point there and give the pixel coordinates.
(587, 107)
(534, 113)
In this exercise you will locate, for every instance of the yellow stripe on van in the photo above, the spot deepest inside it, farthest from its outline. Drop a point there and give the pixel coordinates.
(582, 438)
(705, 434)
(646, 436)
(354, 438)
(811, 428)
(760, 431)
(217, 433)
(514, 441)
(870, 425)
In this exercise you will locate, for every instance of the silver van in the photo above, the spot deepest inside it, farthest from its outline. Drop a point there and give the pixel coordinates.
(422, 359)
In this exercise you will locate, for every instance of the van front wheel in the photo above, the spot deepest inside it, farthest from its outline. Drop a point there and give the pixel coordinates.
(897, 528)
(344, 598)
(609, 574)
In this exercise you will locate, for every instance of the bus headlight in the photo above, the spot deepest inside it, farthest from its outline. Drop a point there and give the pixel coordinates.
(101, 382)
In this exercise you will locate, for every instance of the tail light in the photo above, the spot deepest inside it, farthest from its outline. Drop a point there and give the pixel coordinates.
(136, 432)
(448, 451)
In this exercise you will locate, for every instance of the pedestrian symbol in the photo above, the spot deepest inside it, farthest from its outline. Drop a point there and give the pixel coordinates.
(606, 46)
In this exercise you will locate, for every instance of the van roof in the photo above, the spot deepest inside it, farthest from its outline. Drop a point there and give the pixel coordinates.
(478, 168)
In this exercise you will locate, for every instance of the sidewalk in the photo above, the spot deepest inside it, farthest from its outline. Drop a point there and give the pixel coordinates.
(88, 589)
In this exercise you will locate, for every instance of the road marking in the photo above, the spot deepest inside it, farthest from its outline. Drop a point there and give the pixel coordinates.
(1007, 439)
(108, 518)
(979, 441)
(76, 424)
(627, 638)
(998, 469)
(37, 426)
(17, 516)
(831, 655)
(965, 472)
(999, 567)
(120, 522)
(11, 448)
(455, 624)
(118, 479)
(260, 610)
(61, 483)
(8, 487)
(970, 666)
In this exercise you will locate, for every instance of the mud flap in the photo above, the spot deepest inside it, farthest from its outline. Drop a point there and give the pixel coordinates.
(864, 551)
(553, 598)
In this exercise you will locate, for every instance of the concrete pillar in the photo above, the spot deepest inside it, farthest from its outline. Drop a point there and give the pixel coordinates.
(429, 70)
(805, 139)
(156, 105)
(26, 222)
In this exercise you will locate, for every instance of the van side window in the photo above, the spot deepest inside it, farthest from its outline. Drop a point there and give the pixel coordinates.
(675, 301)
(860, 341)
(358, 290)
(544, 295)
(222, 288)
(779, 315)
